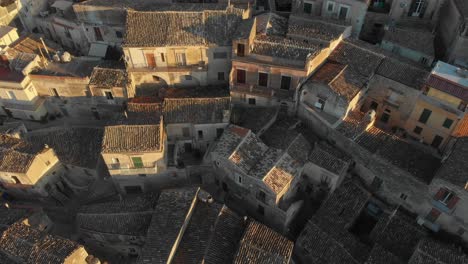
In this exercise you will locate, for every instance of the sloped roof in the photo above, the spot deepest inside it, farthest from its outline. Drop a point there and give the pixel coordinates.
(314, 28)
(108, 78)
(262, 245)
(16, 155)
(432, 251)
(402, 72)
(417, 40)
(132, 138)
(454, 169)
(195, 110)
(276, 46)
(231, 138)
(181, 28)
(32, 246)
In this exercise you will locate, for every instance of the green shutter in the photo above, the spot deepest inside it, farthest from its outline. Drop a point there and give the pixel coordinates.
(137, 162)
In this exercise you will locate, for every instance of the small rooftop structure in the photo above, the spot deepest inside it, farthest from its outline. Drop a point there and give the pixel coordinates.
(262, 245)
(418, 40)
(450, 79)
(133, 138)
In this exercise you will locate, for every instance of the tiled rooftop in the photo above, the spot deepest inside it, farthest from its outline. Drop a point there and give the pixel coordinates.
(195, 110)
(326, 160)
(283, 172)
(253, 118)
(398, 233)
(196, 237)
(380, 255)
(314, 28)
(431, 251)
(262, 245)
(181, 28)
(17, 155)
(167, 220)
(226, 236)
(74, 146)
(129, 216)
(143, 113)
(293, 50)
(327, 72)
(132, 138)
(418, 40)
(231, 138)
(29, 245)
(348, 83)
(399, 152)
(402, 72)
(9, 216)
(447, 86)
(354, 124)
(108, 78)
(454, 169)
(249, 152)
(271, 24)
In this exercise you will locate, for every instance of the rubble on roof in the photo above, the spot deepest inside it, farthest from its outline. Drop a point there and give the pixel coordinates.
(108, 78)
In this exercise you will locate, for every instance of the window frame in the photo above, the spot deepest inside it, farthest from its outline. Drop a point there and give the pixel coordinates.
(422, 119)
(328, 5)
(267, 79)
(447, 120)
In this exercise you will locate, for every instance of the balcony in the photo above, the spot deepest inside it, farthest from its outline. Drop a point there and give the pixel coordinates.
(263, 91)
(131, 169)
(169, 68)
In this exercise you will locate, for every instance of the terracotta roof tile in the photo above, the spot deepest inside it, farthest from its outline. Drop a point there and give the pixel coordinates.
(132, 138)
(195, 110)
(108, 78)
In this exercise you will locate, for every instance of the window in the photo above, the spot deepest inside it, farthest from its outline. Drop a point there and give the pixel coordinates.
(320, 104)
(188, 77)
(180, 59)
(462, 106)
(384, 118)
(308, 8)
(374, 105)
(55, 92)
(67, 33)
(425, 116)
(417, 8)
(163, 59)
(417, 130)
(186, 132)
(252, 101)
(285, 82)
(16, 180)
(447, 123)
(220, 55)
(433, 215)
(220, 76)
(240, 76)
(423, 60)
(150, 60)
(156, 78)
(115, 160)
(261, 210)
(446, 197)
(330, 6)
(240, 50)
(219, 132)
(97, 34)
(137, 162)
(118, 34)
(109, 95)
(343, 14)
(437, 141)
(239, 179)
(263, 79)
(200, 134)
(261, 196)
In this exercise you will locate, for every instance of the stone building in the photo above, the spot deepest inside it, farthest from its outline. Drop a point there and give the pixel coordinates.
(194, 123)
(28, 171)
(9, 10)
(189, 49)
(134, 152)
(8, 35)
(273, 56)
(260, 176)
(452, 32)
(117, 225)
(347, 12)
(439, 108)
(19, 98)
(393, 89)
(340, 84)
(108, 88)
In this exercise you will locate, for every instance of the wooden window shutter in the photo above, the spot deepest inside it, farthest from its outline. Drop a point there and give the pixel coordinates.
(151, 60)
(440, 194)
(453, 202)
